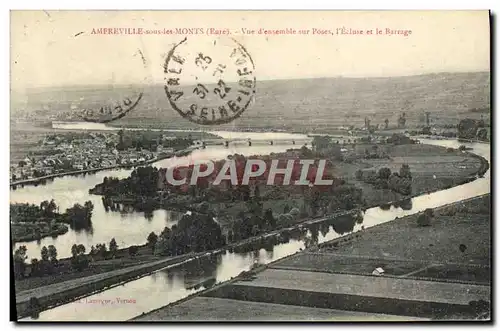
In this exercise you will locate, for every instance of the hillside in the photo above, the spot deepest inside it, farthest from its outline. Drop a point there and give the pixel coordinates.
(291, 104)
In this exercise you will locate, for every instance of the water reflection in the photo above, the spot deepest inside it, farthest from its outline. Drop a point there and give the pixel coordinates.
(110, 220)
(162, 290)
(405, 204)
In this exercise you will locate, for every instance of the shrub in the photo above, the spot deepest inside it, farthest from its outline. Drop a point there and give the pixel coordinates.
(405, 171)
(294, 212)
(448, 211)
(385, 206)
(132, 250)
(79, 262)
(34, 307)
(482, 134)
(429, 212)
(384, 173)
(381, 184)
(399, 184)
(480, 306)
(370, 176)
(424, 220)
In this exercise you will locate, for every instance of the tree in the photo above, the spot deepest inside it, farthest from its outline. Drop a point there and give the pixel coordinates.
(269, 219)
(77, 249)
(399, 184)
(113, 247)
(52, 253)
(230, 236)
(101, 250)
(370, 176)
(79, 217)
(321, 142)
(405, 171)
(305, 152)
(34, 307)
(43, 206)
(467, 128)
(152, 240)
(424, 220)
(19, 261)
(384, 173)
(163, 244)
(78, 260)
(74, 250)
(35, 267)
(132, 250)
(120, 146)
(89, 206)
(482, 134)
(50, 208)
(45, 254)
(256, 191)
(195, 232)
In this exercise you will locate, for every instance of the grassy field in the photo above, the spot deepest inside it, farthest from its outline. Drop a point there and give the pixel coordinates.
(217, 309)
(24, 142)
(468, 224)
(432, 167)
(306, 104)
(471, 273)
(346, 264)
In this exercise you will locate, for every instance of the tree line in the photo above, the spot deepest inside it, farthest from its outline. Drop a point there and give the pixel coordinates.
(385, 179)
(33, 222)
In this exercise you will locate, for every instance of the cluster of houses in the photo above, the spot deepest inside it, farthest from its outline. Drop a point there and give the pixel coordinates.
(58, 155)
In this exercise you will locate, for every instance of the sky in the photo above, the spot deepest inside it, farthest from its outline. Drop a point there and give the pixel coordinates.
(58, 48)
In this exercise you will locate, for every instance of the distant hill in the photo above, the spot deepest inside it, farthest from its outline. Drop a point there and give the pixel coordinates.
(291, 104)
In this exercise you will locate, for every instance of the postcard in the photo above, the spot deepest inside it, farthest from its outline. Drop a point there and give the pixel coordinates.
(250, 166)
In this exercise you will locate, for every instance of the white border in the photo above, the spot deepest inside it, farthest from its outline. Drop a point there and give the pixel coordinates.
(192, 4)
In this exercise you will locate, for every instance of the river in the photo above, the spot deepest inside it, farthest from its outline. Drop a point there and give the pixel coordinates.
(128, 227)
(173, 283)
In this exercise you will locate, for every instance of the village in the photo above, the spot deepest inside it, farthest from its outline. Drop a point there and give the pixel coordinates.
(62, 153)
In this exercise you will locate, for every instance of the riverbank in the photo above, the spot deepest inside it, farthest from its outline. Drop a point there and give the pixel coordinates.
(433, 168)
(452, 223)
(319, 220)
(414, 288)
(63, 292)
(26, 232)
(130, 290)
(38, 180)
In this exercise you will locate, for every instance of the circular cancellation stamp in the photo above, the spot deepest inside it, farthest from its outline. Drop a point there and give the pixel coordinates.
(112, 111)
(120, 99)
(210, 81)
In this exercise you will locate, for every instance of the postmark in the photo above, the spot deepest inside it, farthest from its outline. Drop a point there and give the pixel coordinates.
(112, 111)
(120, 101)
(209, 81)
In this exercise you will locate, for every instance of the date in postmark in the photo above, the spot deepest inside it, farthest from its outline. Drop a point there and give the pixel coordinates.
(209, 82)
